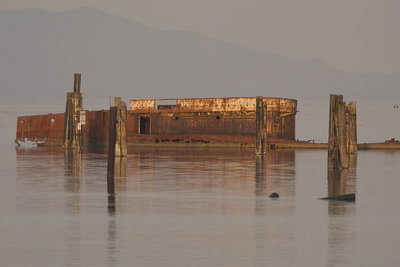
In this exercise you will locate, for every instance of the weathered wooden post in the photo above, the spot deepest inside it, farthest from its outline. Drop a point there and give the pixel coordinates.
(261, 121)
(111, 150)
(117, 145)
(342, 147)
(351, 128)
(72, 126)
(121, 149)
(77, 83)
(337, 146)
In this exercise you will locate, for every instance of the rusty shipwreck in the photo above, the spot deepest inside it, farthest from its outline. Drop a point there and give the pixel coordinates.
(212, 121)
(190, 120)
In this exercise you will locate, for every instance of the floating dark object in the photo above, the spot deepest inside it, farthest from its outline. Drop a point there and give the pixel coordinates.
(274, 195)
(396, 106)
(346, 197)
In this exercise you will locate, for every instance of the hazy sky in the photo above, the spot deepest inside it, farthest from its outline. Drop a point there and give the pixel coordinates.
(352, 35)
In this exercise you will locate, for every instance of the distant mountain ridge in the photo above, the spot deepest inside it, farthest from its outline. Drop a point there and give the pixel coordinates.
(40, 50)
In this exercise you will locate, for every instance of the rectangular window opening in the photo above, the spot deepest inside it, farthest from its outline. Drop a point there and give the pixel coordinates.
(144, 127)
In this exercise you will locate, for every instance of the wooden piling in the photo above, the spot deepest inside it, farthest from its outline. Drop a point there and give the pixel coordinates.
(337, 146)
(77, 82)
(111, 150)
(351, 128)
(121, 149)
(117, 145)
(72, 126)
(68, 121)
(261, 121)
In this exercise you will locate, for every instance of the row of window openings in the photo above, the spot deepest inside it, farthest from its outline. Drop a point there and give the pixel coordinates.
(144, 125)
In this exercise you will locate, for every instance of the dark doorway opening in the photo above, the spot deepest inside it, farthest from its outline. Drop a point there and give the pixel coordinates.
(144, 125)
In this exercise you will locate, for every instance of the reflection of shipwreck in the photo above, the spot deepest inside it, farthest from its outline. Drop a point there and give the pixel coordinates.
(200, 120)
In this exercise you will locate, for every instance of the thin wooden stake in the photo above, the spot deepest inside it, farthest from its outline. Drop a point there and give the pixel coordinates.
(261, 121)
(111, 150)
(351, 128)
(121, 149)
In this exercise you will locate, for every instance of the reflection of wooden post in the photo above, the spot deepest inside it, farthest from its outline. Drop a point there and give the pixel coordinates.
(111, 204)
(351, 127)
(72, 126)
(111, 150)
(260, 175)
(261, 121)
(337, 147)
(120, 174)
(342, 183)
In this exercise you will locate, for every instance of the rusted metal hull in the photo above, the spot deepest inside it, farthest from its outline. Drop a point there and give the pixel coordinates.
(202, 121)
(49, 129)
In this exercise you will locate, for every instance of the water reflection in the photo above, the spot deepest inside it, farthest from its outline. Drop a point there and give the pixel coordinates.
(341, 182)
(341, 235)
(72, 174)
(120, 174)
(274, 172)
(201, 203)
(72, 164)
(36, 169)
(116, 205)
(111, 231)
(260, 175)
(115, 202)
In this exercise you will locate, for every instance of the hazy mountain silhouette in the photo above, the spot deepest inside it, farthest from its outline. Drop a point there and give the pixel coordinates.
(40, 51)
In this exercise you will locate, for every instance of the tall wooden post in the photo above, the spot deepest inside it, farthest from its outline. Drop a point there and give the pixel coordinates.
(117, 145)
(351, 128)
(77, 83)
(121, 149)
(261, 122)
(111, 150)
(72, 126)
(337, 147)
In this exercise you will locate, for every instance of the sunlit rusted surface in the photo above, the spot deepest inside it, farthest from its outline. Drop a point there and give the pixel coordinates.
(41, 128)
(230, 120)
(217, 104)
(49, 129)
(203, 121)
(230, 104)
(142, 105)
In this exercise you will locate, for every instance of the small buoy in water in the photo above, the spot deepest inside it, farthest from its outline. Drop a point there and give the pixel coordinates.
(396, 106)
(361, 124)
(274, 195)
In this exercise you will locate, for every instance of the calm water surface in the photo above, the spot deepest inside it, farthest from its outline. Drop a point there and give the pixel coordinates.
(196, 207)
